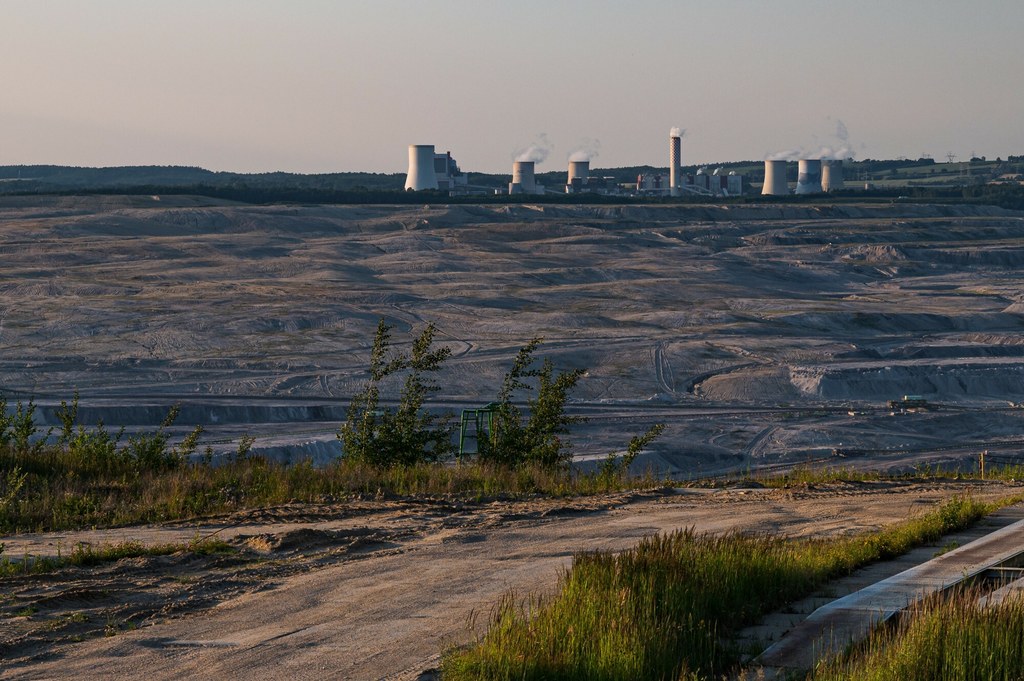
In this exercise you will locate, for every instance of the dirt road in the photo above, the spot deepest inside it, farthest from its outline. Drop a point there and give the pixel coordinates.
(373, 589)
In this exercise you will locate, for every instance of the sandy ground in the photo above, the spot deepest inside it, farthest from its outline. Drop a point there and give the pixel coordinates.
(374, 589)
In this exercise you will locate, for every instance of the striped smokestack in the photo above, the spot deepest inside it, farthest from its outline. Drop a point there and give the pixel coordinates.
(674, 164)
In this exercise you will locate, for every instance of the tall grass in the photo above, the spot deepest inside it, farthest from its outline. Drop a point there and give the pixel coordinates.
(57, 488)
(662, 609)
(940, 639)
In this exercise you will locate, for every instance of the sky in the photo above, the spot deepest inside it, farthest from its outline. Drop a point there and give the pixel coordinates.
(317, 86)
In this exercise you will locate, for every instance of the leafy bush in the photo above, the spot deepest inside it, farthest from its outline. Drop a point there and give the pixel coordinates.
(18, 429)
(96, 448)
(408, 434)
(535, 440)
(149, 451)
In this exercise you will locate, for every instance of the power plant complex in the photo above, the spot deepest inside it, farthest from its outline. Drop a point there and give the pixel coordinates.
(429, 170)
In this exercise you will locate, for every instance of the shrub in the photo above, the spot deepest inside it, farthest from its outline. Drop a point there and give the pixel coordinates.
(407, 434)
(515, 441)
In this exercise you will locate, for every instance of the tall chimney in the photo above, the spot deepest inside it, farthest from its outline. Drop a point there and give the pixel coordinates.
(674, 166)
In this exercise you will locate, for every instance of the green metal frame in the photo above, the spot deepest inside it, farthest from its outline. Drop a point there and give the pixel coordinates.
(482, 420)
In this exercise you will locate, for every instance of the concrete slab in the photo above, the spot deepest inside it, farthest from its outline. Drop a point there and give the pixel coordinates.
(833, 626)
(1014, 589)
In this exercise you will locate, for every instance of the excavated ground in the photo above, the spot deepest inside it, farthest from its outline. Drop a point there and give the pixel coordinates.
(760, 335)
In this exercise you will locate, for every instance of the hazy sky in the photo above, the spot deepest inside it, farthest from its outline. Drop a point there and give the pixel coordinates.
(339, 85)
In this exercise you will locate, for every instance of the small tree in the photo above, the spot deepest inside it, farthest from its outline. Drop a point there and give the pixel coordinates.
(408, 434)
(535, 440)
(615, 465)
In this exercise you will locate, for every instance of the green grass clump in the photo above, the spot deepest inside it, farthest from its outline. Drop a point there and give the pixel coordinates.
(941, 639)
(662, 609)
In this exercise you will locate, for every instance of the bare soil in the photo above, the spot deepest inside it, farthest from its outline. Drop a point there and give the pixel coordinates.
(369, 589)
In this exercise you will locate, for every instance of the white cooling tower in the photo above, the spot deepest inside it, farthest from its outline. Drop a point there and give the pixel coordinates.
(674, 154)
(775, 179)
(579, 171)
(522, 175)
(421, 168)
(832, 175)
(808, 177)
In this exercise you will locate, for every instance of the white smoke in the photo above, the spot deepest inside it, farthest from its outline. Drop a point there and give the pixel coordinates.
(586, 150)
(840, 151)
(786, 155)
(841, 132)
(536, 152)
(677, 132)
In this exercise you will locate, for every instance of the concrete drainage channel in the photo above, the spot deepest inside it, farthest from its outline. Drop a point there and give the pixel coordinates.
(990, 555)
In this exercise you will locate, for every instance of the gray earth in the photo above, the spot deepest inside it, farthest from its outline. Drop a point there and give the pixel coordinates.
(759, 335)
(762, 336)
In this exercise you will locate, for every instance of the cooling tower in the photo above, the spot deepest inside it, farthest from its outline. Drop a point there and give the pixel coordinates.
(522, 175)
(832, 175)
(808, 178)
(673, 164)
(579, 171)
(421, 168)
(775, 179)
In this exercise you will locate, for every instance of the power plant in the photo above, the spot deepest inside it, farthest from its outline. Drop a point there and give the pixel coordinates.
(429, 170)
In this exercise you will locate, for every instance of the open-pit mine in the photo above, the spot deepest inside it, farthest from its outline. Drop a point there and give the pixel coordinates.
(760, 335)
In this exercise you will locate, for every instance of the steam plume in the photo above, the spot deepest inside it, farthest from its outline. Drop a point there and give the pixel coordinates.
(841, 151)
(586, 150)
(536, 152)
